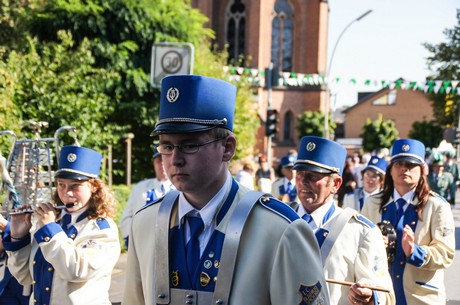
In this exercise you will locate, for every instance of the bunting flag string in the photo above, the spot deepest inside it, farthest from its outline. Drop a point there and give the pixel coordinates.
(292, 79)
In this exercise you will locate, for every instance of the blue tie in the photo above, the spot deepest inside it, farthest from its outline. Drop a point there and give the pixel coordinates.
(400, 212)
(66, 221)
(307, 217)
(193, 245)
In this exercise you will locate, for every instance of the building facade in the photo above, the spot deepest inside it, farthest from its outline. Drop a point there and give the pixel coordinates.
(404, 107)
(292, 34)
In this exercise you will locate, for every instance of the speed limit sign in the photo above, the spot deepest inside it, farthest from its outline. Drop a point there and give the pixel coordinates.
(170, 58)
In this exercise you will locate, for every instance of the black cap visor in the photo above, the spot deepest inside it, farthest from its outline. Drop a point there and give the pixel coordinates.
(408, 159)
(174, 128)
(311, 168)
(70, 175)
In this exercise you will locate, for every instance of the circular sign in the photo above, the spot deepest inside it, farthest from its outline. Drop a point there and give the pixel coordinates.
(171, 62)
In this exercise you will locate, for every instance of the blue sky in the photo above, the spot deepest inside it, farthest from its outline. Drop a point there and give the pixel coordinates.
(386, 44)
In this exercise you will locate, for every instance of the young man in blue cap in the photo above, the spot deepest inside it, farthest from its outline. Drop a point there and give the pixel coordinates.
(212, 242)
(284, 187)
(425, 242)
(68, 258)
(147, 190)
(352, 248)
(373, 176)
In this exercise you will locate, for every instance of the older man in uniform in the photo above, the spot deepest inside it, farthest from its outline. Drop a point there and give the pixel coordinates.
(352, 248)
(212, 242)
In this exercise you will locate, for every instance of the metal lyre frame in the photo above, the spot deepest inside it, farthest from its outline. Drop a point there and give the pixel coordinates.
(28, 175)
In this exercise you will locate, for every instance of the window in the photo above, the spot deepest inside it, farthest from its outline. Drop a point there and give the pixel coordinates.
(282, 32)
(287, 125)
(236, 23)
(388, 99)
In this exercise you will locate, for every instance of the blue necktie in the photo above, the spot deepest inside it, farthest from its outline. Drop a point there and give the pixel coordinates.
(361, 203)
(193, 245)
(307, 217)
(400, 212)
(66, 221)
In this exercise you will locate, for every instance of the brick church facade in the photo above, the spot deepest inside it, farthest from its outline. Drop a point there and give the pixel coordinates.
(290, 33)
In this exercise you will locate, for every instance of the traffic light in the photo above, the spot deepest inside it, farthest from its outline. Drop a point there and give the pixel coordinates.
(452, 135)
(271, 124)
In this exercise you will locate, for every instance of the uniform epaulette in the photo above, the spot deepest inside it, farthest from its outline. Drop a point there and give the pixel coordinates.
(102, 223)
(360, 218)
(279, 208)
(434, 194)
(150, 204)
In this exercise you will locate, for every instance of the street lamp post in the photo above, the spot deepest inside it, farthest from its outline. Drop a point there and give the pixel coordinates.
(328, 72)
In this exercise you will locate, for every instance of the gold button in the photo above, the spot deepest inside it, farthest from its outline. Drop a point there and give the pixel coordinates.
(72, 236)
(215, 279)
(47, 289)
(34, 262)
(35, 301)
(46, 238)
(50, 269)
(401, 263)
(33, 282)
(397, 276)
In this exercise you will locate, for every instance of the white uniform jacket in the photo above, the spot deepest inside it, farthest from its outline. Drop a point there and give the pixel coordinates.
(423, 273)
(67, 267)
(352, 199)
(267, 269)
(138, 198)
(358, 255)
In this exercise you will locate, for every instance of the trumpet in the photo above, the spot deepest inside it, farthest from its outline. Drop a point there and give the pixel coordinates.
(28, 175)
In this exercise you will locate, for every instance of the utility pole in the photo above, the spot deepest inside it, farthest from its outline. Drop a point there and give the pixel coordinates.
(129, 137)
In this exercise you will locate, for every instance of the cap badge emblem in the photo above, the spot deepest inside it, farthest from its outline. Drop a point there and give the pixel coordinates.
(172, 95)
(311, 146)
(71, 157)
(405, 147)
(374, 161)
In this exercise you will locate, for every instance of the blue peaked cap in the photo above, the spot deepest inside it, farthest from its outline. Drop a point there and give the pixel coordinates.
(191, 103)
(288, 160)
(408, 150)
(321, 155)
(79, 163)
(378, 165)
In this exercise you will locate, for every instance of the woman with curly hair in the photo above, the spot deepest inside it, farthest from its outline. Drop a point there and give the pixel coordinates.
(425, 240)
(68, 257)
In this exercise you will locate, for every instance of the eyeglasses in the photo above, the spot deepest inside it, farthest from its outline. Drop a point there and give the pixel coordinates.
(167, 149)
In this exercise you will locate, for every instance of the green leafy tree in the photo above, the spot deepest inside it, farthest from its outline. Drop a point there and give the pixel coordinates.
(109, 42)
(444, 60)
(378, 134)
(311, 123)
(429, 133)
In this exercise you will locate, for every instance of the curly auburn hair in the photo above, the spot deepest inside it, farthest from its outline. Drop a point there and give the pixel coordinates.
(102, 201)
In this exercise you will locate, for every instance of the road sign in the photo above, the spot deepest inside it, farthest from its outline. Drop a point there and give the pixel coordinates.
(170, 58)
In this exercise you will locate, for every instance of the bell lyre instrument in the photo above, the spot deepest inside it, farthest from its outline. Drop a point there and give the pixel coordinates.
(28, 173)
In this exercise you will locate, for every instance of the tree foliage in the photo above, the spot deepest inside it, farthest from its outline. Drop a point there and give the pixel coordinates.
(378, 134)
(87, 62)
(444, 61)
(311, 123)
(429, 133)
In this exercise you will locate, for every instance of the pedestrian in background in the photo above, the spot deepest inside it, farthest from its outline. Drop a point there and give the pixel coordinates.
(147, 190)
(245, 176)
(284, 187)
(442, 182)
(425, 243)
(352, 247)
(69, 257)
(265, 175)
(190, 246)
(373, 176)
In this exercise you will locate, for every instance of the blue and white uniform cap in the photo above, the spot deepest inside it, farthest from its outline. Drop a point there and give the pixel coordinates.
(320, 155)
(408, 150)
(191, 103)
(78, 163)
(377, 165)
